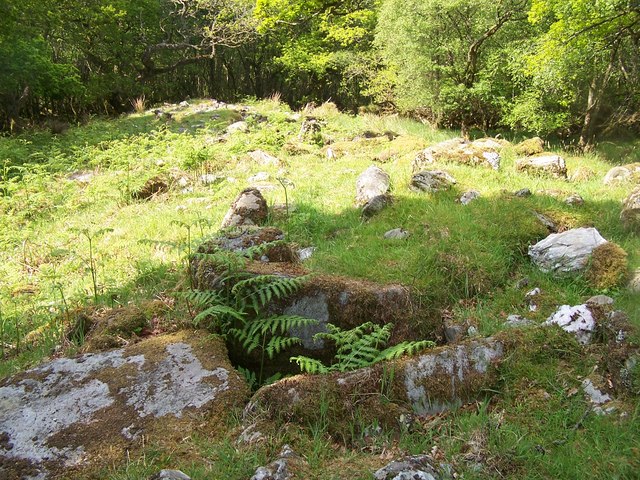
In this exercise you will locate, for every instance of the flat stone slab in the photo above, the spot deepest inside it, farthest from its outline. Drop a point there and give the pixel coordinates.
(63, 415)
(481, 152)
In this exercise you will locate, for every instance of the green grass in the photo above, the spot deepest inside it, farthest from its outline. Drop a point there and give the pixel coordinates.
(466, 260)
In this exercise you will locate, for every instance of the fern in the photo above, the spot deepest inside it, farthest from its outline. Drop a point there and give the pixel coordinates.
(359, 347)
(259, 290)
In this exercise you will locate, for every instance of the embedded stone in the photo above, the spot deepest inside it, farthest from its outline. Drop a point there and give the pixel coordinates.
(630, 214)
(373, 182)
(578, 320)
(566, 252)
(431, 181)
(249, 208)
(481, 152)
(551, 165)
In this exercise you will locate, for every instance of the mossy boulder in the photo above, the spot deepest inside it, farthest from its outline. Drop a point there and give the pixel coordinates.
(482, 152)
(608, 266)
(530, 146)
(630, 214)
(249, 208)
(71, 415)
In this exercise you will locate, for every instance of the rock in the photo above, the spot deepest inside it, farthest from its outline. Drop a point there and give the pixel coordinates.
(170, 475)
(306, 253)
(258, 177)
(249, 208)
(484, 151)
(264, 159)
(310, 129)
(600, 301)
(523, 193)
(578, 320)
(566, 252)
(552, 165)
(574, 200)
(630, 215)
(529, 147)
(634, 283)
(280, 469)
(67, 411)
(623, 173)
(432, 181)
(596, 398)
(416, 467)
(330, 154)
(396, 234)
(468, 197)
(375, 206)
(424, 384)
(250, 436)
(236, 127)
(547, 222)
(211, 179)
(515, 321)
(81, 177)
(607, 266)
(582, 174)
(240, 239)
(153, 186)
(372, 183)
(531, 298)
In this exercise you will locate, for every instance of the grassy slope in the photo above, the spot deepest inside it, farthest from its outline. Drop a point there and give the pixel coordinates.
(465, 259)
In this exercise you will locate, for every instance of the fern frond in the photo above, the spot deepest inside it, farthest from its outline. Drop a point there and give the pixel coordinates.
(277, 344)
(203, 297)
(404, 348)
(218, 311)
(310, 365)
(261, 289)
(161, 243)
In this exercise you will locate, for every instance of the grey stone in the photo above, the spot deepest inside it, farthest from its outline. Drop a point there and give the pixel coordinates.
(630, 214)
(249, 208)
(306, 253)
(264, 159)
(481, 152)
(622, 173)
(279, 469)
(397, 234)
(81, 177)
(416, 467)
(553, 165)
(311, 306)
(468, 197)
(517, 321)
(546, 221)
(566, 252)
(375, 206)
(634, 283)
(432, 181)
(523, 193)
(372, 183)
(574, 199)
(578, 320)
(170, 475)
(258, 177)
(601, 301)
(238, 127)
(211, 179)
(597, 398)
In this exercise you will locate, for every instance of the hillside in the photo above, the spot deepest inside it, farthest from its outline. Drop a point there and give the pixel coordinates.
(99, 228)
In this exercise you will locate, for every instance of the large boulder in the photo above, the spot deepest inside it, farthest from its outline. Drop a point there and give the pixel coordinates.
(431, 181)
(484, 152)
(543, 165)
(373, 182)
(249, 208)
(623, 173)
(566, 252)
(530, 146)
(427, 383)
(59, 416)
(630, 215)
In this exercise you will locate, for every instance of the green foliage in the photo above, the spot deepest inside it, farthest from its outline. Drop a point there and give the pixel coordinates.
(359, 347)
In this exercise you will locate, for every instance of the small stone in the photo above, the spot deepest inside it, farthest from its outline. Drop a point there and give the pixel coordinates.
(258, 177)
(431, 181)
(396, 234)
(330, 154)
(264, 159)
(306, 253)
(630, 214)
(601, 301)
(577, 320)
(238, 127)
(634, 283)
(249, 208)
(514, 321)
(523, 193)
(619, 174)
(170, 475)
(582, 174)
(374, 206)
(210, 179)
(468, 197)
(547, 222)
(574, 200)
(417, 467)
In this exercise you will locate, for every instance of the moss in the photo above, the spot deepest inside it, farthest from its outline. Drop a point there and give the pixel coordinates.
(608, 267)
(530, 146)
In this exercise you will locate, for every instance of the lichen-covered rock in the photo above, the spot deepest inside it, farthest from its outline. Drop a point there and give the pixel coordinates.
(630, 214)
(264, 159)
(530, 146)
(249, 208)
(566, 252)
(578, 320)
(431, 181)
(549, 165)
(373, 182)
(484, 152)
(396, 234)
(624, 173)
(426, 383)
(468, 197)
(282, 468)
(170, 475)
(416, 467)
(66, 412)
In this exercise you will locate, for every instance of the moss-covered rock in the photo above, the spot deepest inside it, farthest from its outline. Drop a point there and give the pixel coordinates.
(608, 266)
(530, 146)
